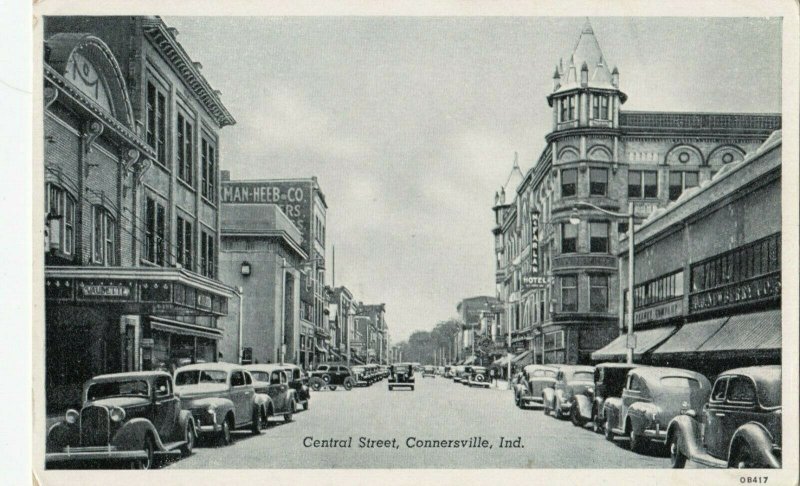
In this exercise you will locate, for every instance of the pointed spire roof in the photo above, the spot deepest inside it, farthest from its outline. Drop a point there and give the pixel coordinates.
(587, 52)
(514, 178)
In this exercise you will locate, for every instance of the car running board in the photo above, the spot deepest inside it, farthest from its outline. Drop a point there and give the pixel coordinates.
(708, 460)
(172, 448)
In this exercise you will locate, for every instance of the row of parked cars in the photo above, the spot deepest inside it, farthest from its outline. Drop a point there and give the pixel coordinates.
(332, 375)
(141, 418)
(734, 423)
(472, 376)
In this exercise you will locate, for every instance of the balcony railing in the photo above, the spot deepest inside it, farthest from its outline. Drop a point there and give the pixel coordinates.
(710, 121)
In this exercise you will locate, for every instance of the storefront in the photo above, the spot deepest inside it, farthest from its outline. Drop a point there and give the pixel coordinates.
(710, 273)
(114, 319)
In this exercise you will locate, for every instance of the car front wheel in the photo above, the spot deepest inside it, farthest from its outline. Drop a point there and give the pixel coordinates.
(305, 405)
(333, 387)
(149, 448)
(635, 441)
(256, 427)
(676, 458)
(607, 430)
(575, 415)
(224, 437)
(743, 459)
(189, 439)
(348, 383)
(287, 418)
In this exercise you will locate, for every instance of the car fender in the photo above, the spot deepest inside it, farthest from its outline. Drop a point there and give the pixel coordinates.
(184, 418)
(62, 434)
(131, 435)
(639, 415)
(611, 411)
(597, 406)
(760, 441)
(689, 443)
(221, 406)
(548, 395)
(521, 390)
(584, 405)
(290, 398)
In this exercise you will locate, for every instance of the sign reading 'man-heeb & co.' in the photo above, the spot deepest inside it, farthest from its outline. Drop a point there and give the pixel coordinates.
(293, 197)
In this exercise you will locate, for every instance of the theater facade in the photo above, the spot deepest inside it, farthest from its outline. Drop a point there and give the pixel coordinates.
(131, 222)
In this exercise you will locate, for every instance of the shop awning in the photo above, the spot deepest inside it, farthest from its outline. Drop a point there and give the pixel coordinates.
(502, 361)
(470, 360)
(747, 332)
(645, 341)
(523, 359)
(356, 359)
(691, 336)
(186, 329)
(321, 349)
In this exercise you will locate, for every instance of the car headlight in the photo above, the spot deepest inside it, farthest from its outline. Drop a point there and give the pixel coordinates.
(211, 409)
(117, 414)
(72, 416)
(590, 389)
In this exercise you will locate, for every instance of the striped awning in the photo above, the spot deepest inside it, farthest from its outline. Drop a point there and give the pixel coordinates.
(184, 328)
(645, 341)
(754, 331)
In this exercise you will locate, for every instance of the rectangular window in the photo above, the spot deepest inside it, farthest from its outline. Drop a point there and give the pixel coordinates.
(185, 153)
(184, 243)
(69, 225)
(598, 293)
(61, 207)
(600, 107)
(207, 257)
(208, 170)
(642, 183)
(569, 238)
(679, 181)
(595, 106)
(104, 237)
(747, 262)
(598, 182)
(155, 230)
(569, 293)
(604, 108)
(156, 130)
(572, 107)
(564, 110)
(598, 234)
(569, 182)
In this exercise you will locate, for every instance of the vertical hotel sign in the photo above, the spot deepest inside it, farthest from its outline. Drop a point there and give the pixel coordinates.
(534, 242)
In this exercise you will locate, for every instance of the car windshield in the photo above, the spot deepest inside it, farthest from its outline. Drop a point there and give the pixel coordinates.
(195, 377)
(583, 376)
(358, 369)
(402, 369)
(260, 375)
(543, 373)
(681, 382)
(132, 388)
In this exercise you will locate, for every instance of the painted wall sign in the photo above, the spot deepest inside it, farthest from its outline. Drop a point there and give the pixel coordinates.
(765, 287)
(659, 312)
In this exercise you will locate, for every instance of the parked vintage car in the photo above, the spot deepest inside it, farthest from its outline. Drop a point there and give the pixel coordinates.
(222, 398)
(331, 376)
(131, 417)
(448, 372)
(272, 380)
(429, 372)
(609, 380)
(652, 397)
(298, 381)
(533, 380)
(360, 375)
(479, 376)
(401, 375)
(465, 376)
(570, 380)
(458, 373)
(739, 427)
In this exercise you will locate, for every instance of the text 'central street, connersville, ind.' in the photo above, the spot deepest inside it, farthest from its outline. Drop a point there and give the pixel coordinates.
(477, 442)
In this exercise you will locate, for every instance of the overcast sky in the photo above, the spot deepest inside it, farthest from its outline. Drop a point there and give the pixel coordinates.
(411, 124)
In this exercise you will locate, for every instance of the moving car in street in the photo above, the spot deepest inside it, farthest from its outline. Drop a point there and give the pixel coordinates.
(609, 380)
(331, 376)
(298, 381)
(479, 377)
(739, 427)
(273, 381)
(652, 397)
(401, 375)
(429, 372)
(458, 373)
(570, 380)
(221, 398)
(126, 417)
(465, 375)
(533, 380)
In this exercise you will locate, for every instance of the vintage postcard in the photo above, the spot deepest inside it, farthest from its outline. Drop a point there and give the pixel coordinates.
(459, 242)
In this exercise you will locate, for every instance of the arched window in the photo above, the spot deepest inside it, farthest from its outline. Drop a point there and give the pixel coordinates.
(104, 237)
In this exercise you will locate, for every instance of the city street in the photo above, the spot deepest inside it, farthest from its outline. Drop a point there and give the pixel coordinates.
(438, 409)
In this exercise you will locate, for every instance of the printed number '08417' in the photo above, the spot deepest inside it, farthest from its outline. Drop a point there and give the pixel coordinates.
(753, 479)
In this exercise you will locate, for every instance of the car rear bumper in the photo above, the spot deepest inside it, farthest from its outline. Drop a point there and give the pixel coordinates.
(531, 399)
(656, 434)
(208, 429)
(77, 454)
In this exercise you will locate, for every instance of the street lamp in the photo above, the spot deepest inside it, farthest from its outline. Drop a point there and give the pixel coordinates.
(240, 293)
(574, 218)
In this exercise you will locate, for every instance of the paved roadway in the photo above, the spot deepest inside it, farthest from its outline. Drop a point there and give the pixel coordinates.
(437, 409)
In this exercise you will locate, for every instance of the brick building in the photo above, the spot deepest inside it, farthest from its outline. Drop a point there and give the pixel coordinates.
(559, 281)
(472, 313)
(371, 323)
(304, 203)
(132, 230)
(707, 272)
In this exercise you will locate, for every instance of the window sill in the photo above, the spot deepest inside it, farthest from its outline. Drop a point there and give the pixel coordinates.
(162, 165)
(208, 201)
(186, 185)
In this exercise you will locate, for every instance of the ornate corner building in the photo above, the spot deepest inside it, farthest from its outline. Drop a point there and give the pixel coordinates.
(559, 281)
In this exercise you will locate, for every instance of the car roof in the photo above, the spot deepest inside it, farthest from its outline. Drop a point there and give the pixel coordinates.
(657, 372)
(541, 367)
(218, 366)
(265, 367)
(766, 373)
(130, 375)
(619, 365)
(574, 368)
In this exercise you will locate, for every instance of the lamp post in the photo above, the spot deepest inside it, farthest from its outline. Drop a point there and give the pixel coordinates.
(350, 318)
(240, 293)
(575, 219)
